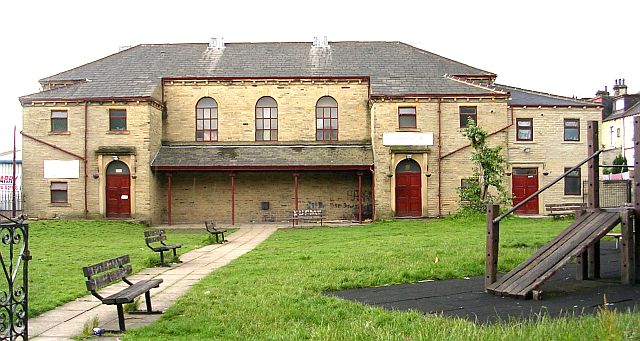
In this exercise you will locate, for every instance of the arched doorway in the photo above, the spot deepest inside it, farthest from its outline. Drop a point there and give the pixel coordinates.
(408, 189)
(118, 190)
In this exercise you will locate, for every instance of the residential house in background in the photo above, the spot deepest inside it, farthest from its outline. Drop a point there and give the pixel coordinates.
(247, 132)
(617, 128)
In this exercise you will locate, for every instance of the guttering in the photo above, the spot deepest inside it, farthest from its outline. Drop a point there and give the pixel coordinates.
(438, 96)
(362, 78)
(577, 106)
(259, 168)
(24, 101)
(86, 115)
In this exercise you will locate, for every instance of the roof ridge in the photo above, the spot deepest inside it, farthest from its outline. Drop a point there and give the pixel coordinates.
(445, 58)
(88, 63)
(546, 94)
(473, 83)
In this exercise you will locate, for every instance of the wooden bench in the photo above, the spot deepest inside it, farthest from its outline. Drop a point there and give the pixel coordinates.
(102, 274)
(564, 209)
(210, 225)
(617, 236)
(158, 236)
(297, 215)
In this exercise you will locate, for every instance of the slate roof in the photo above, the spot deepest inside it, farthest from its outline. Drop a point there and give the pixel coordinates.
(263, 157)
(394, 68)
(521, 97)
(634, 110)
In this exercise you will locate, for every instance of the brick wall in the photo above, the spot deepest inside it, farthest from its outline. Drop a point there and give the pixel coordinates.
(198, 196)
(296, 108)
(143, 133)
(492, 115)
(548, 152)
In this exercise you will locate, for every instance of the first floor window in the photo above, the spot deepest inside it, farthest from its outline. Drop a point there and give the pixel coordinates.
(572, 182)
(467, 114)
(407, 117)
(524, 129)
(59, 193)
(207, 120)
(59, 121)
(571, 129)
(327, 119)
(266, 119)
(117, 120)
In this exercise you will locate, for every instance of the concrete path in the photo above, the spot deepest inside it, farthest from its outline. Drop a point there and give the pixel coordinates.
(68, 320)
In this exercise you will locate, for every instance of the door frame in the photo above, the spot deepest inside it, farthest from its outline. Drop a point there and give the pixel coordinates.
(418, 174)
(536, 175)
(106, 189)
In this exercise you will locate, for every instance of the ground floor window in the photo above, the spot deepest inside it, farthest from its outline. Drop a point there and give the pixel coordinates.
(59, 193)
(572, 182)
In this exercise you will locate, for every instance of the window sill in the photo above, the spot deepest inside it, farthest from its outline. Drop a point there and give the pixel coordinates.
(59, 204)
(524, 142)
(408, 130)
(571, 142)
(118, 132)
(59, 133)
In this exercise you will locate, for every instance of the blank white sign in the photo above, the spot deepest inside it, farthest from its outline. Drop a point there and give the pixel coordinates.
(58, 169)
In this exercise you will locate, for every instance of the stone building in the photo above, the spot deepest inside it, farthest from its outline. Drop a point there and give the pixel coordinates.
(247, 132)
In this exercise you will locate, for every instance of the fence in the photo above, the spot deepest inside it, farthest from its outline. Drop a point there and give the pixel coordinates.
(613, 193)
(6, 201)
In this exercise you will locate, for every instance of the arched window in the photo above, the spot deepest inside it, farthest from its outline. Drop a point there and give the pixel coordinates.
(327, 119)
(207, 120)
(266, 119)
(408, 166)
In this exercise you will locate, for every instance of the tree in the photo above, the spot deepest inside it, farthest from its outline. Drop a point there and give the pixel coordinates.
(621, 163)
(488, 172)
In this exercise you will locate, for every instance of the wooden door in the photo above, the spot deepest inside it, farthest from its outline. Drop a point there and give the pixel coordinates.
(408, 189)
(524, 182)
(118, 190)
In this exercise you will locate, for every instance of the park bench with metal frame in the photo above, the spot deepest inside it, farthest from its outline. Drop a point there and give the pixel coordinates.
(210, 225)
(315, 215)
(159, 236)
(104, 273)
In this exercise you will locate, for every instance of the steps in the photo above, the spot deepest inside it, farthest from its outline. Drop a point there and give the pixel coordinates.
(528, 276)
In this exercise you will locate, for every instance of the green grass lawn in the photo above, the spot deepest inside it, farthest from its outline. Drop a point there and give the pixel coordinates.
(61, 248)
(275, 291)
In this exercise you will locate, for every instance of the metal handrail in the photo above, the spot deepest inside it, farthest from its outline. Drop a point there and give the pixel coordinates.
(495, 221)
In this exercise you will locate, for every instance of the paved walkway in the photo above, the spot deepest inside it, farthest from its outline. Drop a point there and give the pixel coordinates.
(68, 320)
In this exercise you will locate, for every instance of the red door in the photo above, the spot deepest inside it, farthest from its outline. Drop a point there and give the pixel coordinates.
(524, 182)
(118, 190)
(408, 189)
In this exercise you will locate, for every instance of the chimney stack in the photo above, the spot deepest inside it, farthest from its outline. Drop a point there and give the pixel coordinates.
(216, 43)
(619, 88)
(322, 43)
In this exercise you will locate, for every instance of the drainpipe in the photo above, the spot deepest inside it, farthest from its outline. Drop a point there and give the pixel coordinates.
(373, 193)
(233, 197)
(439, 113)
(295, 192)
(359, 197)
(86, 205)
(169, 175)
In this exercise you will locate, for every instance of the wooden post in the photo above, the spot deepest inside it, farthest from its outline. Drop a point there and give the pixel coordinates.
(627, 263)
(493, 238)
(636, 192)
(232, 175)
(169, 198)
(593, 194)
(582, 260)
(359, 197)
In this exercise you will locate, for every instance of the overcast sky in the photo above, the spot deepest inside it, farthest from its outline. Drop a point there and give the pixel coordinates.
(561, 47)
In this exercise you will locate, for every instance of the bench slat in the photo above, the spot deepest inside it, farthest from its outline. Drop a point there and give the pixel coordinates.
(109, 264)
(130, 293)
(152, 233)
(155, 239)
(166, 247)
(100, 281)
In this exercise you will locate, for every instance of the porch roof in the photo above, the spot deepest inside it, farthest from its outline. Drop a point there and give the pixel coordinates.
(264, 157)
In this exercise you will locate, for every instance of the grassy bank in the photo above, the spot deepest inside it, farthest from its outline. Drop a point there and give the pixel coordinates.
(275, 291)
(61, 248)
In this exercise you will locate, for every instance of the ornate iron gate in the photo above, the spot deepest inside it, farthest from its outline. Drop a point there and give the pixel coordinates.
(14, 259)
